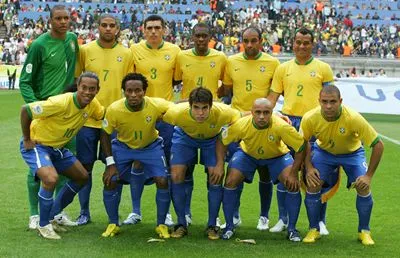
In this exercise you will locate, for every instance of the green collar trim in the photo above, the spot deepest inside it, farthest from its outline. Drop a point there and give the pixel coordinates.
(160, 46)
(129, 107)
(98, 43)
(196, 54)
(257, 56)
(307, 62)
(75, 98)
(257, 127)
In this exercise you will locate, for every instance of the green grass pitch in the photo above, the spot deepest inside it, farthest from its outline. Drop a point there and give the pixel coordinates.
(85, 241)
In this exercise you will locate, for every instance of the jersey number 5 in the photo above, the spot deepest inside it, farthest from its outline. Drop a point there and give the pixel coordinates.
(249, 85)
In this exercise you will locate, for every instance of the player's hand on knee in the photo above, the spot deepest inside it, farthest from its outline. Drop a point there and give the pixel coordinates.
(29, 144)
(110, 172)
(312, 177)
(363, 182)
(292, 183)
(216, 174)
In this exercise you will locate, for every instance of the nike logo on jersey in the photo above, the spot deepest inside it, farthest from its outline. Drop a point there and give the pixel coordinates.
(140, 58)
(237, 69)
(288, 74)
(92, 59)
(188, 65)
(52, 54)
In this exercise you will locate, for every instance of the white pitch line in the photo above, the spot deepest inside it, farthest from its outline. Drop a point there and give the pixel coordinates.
(390, 139)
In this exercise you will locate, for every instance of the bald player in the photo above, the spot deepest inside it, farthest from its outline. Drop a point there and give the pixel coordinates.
(263, 138)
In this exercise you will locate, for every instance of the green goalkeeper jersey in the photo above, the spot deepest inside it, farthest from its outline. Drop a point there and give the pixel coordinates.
(49, 67)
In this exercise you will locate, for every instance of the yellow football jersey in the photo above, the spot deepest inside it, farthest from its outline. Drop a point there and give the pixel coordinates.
(137, 129)
(220, 115)
(111, 65)
(251, 79)
(158, 66)
(263, 143)
(301, 84)
(58, 119)
(342, 136)
(199, 71)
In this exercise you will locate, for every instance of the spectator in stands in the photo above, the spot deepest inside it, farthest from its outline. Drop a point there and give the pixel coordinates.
(376, 16)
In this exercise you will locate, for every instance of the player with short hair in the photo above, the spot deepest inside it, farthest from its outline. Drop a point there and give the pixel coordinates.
(197, 126)
(199, 66)
(48, 70)
(263, 138)
(299, 81)
(155, 59)
(134, 118)
(341, 136)
(249, 75)
(111, 61)
(47, 127)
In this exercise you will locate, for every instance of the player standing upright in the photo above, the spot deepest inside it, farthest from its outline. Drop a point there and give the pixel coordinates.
(198, 67)
(48, 69)
(111, 61)
(155, 59)
(300, 80)
(249, 75)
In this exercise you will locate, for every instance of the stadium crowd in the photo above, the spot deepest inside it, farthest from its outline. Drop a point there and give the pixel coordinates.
(335, 32)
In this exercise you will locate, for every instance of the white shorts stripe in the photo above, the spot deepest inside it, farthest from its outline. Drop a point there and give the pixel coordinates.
(38, 163)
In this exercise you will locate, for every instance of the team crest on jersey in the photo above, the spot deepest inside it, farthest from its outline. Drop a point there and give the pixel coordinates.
(28, 68)
(37, 109)
(262, 69)
(148, 119)
(167, 57)
(342, 130)
(85, 115)
(224, 133)
(313, 73)
(212, 64)
(212, 126)
(119, 59)
(271, 138)
(105, 123)
(72, 46)
(46, 157)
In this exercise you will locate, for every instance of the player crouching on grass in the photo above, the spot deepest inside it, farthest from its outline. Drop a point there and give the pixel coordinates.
(263, 138)
(47, 126)
(341, 134)
(134, 118)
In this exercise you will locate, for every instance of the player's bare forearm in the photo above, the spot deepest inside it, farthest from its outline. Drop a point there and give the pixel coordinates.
(220, 150)
(307, 159)
(376, 155)
(105, 141)
(273, 97)
(25, 123)
(298, 159)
